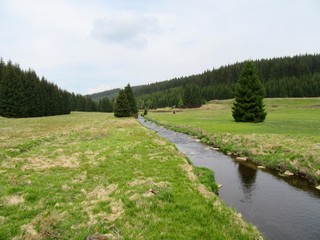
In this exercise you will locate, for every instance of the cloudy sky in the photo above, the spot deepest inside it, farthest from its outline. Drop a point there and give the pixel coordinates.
(88, 46)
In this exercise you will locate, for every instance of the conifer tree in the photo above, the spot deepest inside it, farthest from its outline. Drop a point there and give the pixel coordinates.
(131, 100)
(121, 105)
(125, 104)
(249, 94)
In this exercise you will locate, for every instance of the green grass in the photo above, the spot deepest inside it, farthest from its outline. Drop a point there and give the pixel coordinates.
(288, 139)
(69, 177)
(206, 177)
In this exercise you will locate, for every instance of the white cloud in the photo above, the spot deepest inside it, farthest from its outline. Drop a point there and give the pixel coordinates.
(81, 44)
(127, 28)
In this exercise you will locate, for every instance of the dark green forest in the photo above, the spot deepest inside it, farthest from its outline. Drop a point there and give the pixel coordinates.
(297, 76)
(110, 94)
(24, 94)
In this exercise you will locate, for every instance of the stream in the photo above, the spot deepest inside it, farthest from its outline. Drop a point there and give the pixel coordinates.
(280, 207)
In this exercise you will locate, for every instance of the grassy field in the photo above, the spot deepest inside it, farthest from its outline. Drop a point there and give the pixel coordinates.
(289, 139)
(89, 174)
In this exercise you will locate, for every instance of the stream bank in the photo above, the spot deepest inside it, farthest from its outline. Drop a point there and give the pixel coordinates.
(242, 154)
(281, 207)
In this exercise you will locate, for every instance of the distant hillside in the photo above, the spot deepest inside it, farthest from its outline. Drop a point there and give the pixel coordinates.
(297, 76)
(109, 94)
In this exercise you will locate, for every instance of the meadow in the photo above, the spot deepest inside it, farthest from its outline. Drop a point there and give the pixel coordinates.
(92, 176)
(289, 139)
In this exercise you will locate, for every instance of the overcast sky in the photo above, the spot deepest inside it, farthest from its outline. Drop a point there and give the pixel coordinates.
(87, 46)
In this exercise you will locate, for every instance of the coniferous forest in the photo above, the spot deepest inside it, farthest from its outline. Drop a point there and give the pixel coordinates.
(297, 76)
(24, 94)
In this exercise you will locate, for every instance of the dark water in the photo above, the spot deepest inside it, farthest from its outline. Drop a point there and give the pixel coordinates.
(281, 207)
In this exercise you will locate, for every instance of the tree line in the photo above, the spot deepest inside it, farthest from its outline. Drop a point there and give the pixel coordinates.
(297, 76)
(24, 94)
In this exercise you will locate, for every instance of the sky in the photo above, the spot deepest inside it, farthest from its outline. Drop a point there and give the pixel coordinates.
(88, 46)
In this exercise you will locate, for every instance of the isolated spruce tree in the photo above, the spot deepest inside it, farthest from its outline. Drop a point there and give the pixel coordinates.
(122, 106)
(125, 104)
(249, 94)
(131, 100)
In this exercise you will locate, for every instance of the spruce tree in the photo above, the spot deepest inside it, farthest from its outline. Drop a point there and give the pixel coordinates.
(249, 94)
(131, 100)
(125, 104)
(122, 106)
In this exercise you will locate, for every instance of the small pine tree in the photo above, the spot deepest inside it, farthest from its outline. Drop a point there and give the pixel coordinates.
(249, 94)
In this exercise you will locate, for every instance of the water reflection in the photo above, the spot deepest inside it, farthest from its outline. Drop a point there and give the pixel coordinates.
(247, 176)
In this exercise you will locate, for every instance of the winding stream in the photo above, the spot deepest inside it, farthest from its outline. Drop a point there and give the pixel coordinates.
(281, 207)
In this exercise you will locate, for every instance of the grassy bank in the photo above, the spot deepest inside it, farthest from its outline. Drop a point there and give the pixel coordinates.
(70, 177)
(288, 140)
